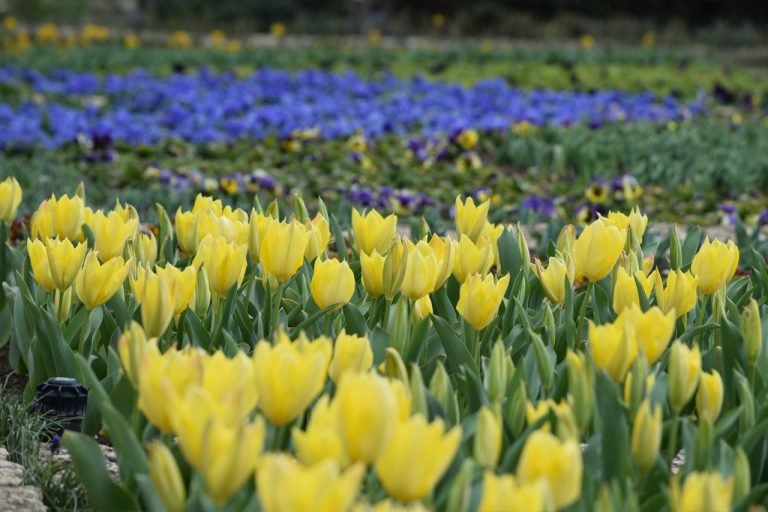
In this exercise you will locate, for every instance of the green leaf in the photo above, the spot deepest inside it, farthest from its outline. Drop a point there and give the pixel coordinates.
(354, 320)
(694, 332)
(103, 493)
(457, 353)
(615, 439)
(198, 334)
(338, 236)
(690, 246)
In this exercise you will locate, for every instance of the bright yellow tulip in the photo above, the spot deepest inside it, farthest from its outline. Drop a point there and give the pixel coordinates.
(567, 428)
(157, 304)
(421, 271)
(64, 260)
(487, 439)
(228, 228)
(505, 492)
(613, 346)
(415, 439)
(182, 284)
(471, 258)
(10, 199)
(63, 218)
(367, 412)
(257, 228)
(282, 249)
(646, 436)
(553, 278)
(480, 298)
(653, 330)
(351, 353)
(445, 253)
(333, 282)
(166, 477)
(597, 249)
(373, 232)
(372, 270)
(715, 265)
(96, 283)
(41, 269)
(284, 485)
(289, 375)
(702, 492)
(684, 372)
(111, 232)
(422, 308)
(224, 262)
(146, 249)
(635, 221)
(678, 294)
(625, 292)
(130, 347)
(229, 383)
(471, 220)
(185, 224)
(321, 440)
(319, 236)
(557, 462)
(709, 398)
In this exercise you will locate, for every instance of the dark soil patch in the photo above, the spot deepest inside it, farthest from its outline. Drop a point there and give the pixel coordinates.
(11, 382)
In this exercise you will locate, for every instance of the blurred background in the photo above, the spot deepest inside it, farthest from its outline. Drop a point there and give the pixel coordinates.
(713, 21)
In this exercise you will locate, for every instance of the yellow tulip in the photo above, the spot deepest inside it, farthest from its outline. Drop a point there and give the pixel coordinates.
(165, 376)
(228, 228)
(333, 282)
(653, 330)
(684, 372)
(367, 409)
(351, 353)
(702, 492)
(422, 308)
(182, 284)
(505, 492)
(97, 283)
(636, 221)
(715, 265)
(63, 217)
(229, 383)
(257, 228)
(597, 249)
(372, 270)
(646, 436)
(207, 204)
(471, 258)
(493, 232)
(284, 485)
(224, 262)
(130, 347)
(10, 199)
(679, 293)
(709, 398)
(319, 236)
(420, 272)
(480, 298)
(471, 220)
(41, 269)
(321, 440)
(625, 292)
(415, 439)
(752, 328)
(156, 304)
(186, 230)
(373, 232)
(557, 462)
(111, 232)
(146, 249)
(553, 278)
(487, 439)
(289, 375)
(166, 477)
(389, 505)
(282, 249)
(580, 388)
(567, 428)
(613, 346)
(445, 253)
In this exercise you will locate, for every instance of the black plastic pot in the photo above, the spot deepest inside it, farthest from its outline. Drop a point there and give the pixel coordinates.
(63, 400)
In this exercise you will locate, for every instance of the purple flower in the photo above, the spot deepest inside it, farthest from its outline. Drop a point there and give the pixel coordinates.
(542, 206)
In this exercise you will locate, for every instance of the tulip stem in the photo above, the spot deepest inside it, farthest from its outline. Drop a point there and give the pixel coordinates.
(671, 449)
(583, 311)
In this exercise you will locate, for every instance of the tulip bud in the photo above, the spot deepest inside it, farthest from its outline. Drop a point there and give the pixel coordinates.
(166, 477)
(273, 209)
(146, 253)
(703, 445)
(580, 388)
(514, 408)
(742, 479)
(399, 326)
(202, 293)
(752, 328)
(675, 250)
(10, 199)
(709, 398)
(440, 386)
(488, 438)
(496, 378)
(422, 308)
(130, 346)
(299, 208)
(63, 304)
(684, 372)
(418, 392)
(634, 386)
(646, 436)
(566, 239)
(395, 265)
(747, 401)
(543, 361)
(549, 324)
(460, 489)
(333, 282)
(157, 304)
(394, 366)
